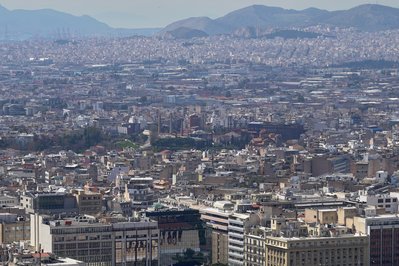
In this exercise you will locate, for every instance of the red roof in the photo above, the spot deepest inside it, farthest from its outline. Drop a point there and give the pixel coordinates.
(40, 255)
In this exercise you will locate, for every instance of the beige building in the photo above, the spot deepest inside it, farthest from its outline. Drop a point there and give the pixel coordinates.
(89, 203)
(345, 213)
(14, 231)
(217, 222)
(323, 216)
(254, 247)
(330, 251)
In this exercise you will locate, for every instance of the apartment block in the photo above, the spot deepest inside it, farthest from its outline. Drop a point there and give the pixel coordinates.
(239, 223)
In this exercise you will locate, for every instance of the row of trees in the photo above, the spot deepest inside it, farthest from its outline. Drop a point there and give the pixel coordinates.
(77, 141)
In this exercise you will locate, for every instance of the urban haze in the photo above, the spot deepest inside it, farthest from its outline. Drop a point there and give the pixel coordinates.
(239, 133)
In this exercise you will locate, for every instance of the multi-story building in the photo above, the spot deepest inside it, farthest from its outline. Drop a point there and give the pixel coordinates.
(180, 230)
(323, 216)
(314, 251)
(89, 202)
(97, 242)
(385, 201)
(384, 237)
(49, 203)
(8, 201)
(239, 223)
(217, 222)
(254, 247)
(136, 243)
(139, 192)
(13, 228)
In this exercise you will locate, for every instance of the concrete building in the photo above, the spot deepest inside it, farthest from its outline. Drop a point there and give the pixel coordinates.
(385, 201)
(139, 192)
(344, 213)
(254, 247)
(49, 203)
(44, 259)
(97, 242)
(323, 216)
(384, 237)
(179, 230)
(332, 251)
(239, 223)
(217, 222)
(13, 228)
(8, 201)
(88, 202)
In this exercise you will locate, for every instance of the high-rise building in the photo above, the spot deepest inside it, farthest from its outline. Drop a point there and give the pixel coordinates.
(239, 223)
(217, 222)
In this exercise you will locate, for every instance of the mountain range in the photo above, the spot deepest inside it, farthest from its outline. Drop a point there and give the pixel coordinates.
(23, 24)
(368, 17)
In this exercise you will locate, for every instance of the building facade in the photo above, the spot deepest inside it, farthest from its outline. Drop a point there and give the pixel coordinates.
(239, 223)
(329, 251)
(217, 223)
(384, 238)
(98, 243)
(254, 248)
(179, 230)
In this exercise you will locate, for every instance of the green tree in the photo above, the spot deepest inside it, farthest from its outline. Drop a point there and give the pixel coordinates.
(189, 258)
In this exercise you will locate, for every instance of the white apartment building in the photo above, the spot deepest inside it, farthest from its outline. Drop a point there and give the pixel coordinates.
(239, 223)
(389, 203)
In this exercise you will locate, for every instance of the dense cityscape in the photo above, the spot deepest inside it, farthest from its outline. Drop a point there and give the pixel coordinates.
(215, 150)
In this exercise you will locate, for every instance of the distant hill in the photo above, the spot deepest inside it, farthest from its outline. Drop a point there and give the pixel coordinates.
(204, 24)
(367, 17)
(23, 24)
(186, 33)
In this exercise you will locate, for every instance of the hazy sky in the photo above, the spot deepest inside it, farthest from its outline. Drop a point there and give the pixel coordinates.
(159, 13)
